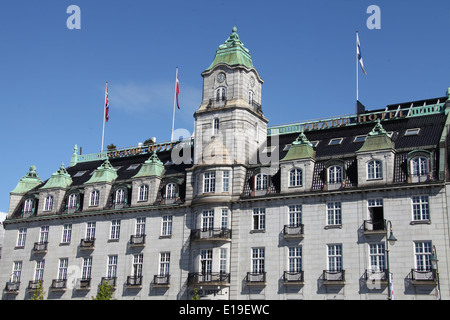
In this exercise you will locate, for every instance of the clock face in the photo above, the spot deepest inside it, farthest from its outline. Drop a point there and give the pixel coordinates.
(252, 81)
(221, 77)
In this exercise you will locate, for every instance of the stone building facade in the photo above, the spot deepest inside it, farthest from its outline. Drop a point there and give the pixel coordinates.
(339, 208)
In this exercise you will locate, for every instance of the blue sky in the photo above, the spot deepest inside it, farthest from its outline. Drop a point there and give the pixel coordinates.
(52, 79)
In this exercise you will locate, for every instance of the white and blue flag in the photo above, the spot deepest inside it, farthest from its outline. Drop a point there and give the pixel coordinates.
(358, 51)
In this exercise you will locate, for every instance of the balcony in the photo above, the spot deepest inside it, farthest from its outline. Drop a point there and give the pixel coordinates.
(211, 278)
(12, 287)
(218, 102)
(137, 240)
(423, 277)
(134, 281)
(110, 280)
(161, 280)
(293, 231)
(377, 226)
(255, 278)
(34, 285)
(376, 275)
(331, 277)
(58, 284)
(87, 244)
(293, 278)
(40, 247)
(84, 284)
(211, 235)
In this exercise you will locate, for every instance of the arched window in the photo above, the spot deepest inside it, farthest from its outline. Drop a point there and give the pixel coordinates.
(143, 193)
(295, 178)
(28, 206)
(261, 181)
(120, 196)
(48, 203)
(73, 200)
(250, 97)
(420, 166)
(221, 94)
(216, 126)
(374, 169)
(171, 190)
(93, 201)
(335, 174)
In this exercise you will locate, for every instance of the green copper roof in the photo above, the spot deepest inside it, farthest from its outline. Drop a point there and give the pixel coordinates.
(104, 173)
(152, 167)
(232, 52)
(28, 181)
(377, 139)
(301, 148)
(60, 179)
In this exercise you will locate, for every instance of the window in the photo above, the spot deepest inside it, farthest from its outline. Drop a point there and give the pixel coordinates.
(335, 141)
(166, 225)
(209, 182)
(216, 126)
(295, 178)
(93, 201)
(420, 166)
(90, 231)
(295, 259)
(376, 213)
(421, 208)
(79, 173)
(261, 181)
(28, 206)
(87, 268)
(334, 213)
(377, 257)
(62, 268)
(143, 193)
(21, 237)
(259, 219)
(221, 94)
(164, 263)
(39, 270)
(374, 170)
(226, 181)
(335, 174)
(360, 139)
(120, 196)
(73, 200)
(133, 166)
(423, 252)
(112, 267)
(171, 191)
(295, 215)
(335, 257)
(67, 233)
(115, 230)
(223, 261)
(16, 272)
(138, 260)
(140, 226)
(43, 234)
(258, 255)
(48, 203)
(224, 222)
(207, 220)
(250, 97)
(412, 132)
(206, 261)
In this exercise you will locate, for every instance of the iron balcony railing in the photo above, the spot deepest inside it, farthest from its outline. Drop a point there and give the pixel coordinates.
(255, 277)
(137, 240)
(375, 225)
(87, 243)
(84, 283)
(109, 280)
(293, 230)
(376, 275)
(210, 234)
(208, 277)
(423, 275)
(293, 276)
(134, 281)
(58, 284)
(161, 279)
(34, 284)
(12, 286)
(330, 275)
(40, 247)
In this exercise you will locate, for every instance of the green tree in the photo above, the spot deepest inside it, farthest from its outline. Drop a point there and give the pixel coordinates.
(39, 292)
(195, 296)
(105, 291)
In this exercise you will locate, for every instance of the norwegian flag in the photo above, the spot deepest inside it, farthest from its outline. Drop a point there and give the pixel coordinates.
(106, 103)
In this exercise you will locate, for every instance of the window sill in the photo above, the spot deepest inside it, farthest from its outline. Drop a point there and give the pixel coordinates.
(258, 231)
(333, 226)
(420, 222)
(169, 236)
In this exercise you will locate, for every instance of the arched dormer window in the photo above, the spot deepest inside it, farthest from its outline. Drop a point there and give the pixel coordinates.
(420, 166)
(48, 203)
(221, 94)
(94, 198)
(120, 196)
(171, 190)
(374, 170)
(261, 181)
(296, 178)
(72, 201)
(28, 206)
(143, 192)
(335, 174)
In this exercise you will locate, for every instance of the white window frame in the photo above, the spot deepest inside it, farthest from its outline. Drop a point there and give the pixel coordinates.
(209, 182)
(374, 169)
(295, 259)
(166, 227)
(137, 266)
(207, 220)
(259, 219)
(140, 226)
(94, 198)
(422, 255)
(334, 213)
(226, 181)
(171, 190)
(115, 229)
(66, 236)
(334, 257)
(21, 237)
(335, 174)
(39, 270)
(296, 177)
(295, 215)
(111, 267)
(143, 192)
(221, 94)
(420, 166)
(120, 196)
(28, 206)
(48, 203)
(216, 126)
(43, 234)
(377, 257)
(62, 268)
(420, 208)
(258, 260)
(164, 264)
(224, 219)
(261, 181)
(86, 268)
(223, 260)
(16, 271)
(72, 201)
(90, 230)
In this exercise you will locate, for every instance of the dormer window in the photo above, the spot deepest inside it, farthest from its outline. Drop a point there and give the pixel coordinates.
(374, 170)
(72, 201)
(261, 181)
(28, 206)
(420, 166)
(221, 94)
(171, 190)
(143, 193)
(48, 203)
(295, 178)
(335, 174)
(120, 196)
(94, 197)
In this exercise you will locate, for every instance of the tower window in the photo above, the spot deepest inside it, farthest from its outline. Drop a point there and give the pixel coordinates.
(221, 94)
(216, 126)
(250, 97)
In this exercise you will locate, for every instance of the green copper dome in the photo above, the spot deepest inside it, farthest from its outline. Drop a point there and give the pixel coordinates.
(28, 181)
(232, 53)
(60, 179)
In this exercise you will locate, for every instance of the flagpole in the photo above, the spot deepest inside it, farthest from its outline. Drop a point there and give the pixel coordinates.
(174, 103)
(104, 117)
(357, 73)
